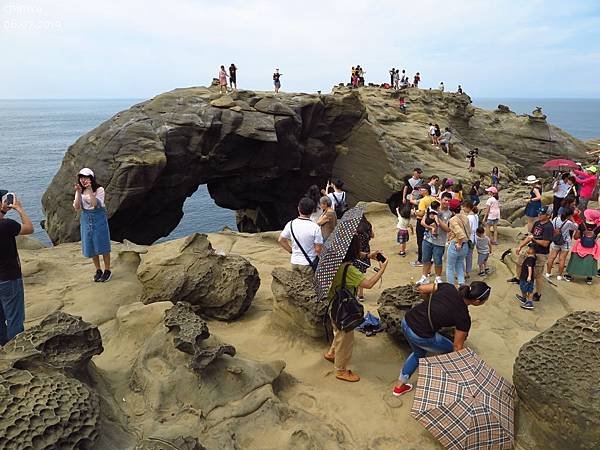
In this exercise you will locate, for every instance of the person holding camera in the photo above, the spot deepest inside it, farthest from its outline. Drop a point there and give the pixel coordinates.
(12, 293)
(93, 222)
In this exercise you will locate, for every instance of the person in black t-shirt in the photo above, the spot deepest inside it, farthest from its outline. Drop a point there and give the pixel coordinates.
(276, 81)
(12, 296)
(526, 278)
(445, 306)
(233, 76)
(542, 232)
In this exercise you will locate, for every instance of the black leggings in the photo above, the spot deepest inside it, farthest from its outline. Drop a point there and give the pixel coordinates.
(556, 201)
(420, 232)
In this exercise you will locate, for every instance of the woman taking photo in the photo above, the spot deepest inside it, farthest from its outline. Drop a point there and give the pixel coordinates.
(93, 222)
(341, 348)
(446, 307)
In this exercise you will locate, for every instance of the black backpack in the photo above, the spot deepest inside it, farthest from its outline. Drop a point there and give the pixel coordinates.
(346, 312)
(340, 206)
(588, 238)
(558, 238)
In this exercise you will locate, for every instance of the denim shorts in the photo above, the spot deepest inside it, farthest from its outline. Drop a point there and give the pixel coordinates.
(492, 221)
(432, 252)
(482, 258)
(526, 286)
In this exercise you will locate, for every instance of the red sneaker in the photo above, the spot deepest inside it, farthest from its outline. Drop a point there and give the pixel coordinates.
(401, 390)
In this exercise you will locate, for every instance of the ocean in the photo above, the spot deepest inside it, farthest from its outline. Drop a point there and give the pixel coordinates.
(35, 134)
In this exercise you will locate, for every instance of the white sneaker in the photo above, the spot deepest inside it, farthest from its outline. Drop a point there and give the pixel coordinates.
(549, 275)
(438, 280)
(559, 278)
(423, 280)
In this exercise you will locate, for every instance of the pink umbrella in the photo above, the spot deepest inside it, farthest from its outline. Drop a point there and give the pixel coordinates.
(556, 164)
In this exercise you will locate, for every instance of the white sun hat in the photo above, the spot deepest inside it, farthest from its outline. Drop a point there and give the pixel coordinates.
(531, 179)
(86, 172)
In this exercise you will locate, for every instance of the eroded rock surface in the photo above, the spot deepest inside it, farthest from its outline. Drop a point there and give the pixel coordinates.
(556, 377)
(393, 303)
(42, 406)
(189, 270)
(295, 303)
(259, 153)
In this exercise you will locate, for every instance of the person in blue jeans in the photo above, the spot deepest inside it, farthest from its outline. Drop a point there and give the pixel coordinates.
(446, 306)
(12, 295)
(458, 243)
(434, 241)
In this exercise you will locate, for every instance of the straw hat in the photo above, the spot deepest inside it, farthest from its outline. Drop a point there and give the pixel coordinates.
(531, 179)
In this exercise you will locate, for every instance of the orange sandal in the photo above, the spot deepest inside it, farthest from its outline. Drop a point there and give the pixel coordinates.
(329, 357)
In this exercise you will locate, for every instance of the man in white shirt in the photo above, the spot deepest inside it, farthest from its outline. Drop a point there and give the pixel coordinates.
(306, 239)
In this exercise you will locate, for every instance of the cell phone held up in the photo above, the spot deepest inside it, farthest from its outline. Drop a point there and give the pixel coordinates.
(9, 198)
(379, 257)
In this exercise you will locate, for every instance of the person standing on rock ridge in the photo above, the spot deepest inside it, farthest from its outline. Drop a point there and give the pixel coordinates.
(276, 81)
(223, 80)
(233, 76)
(306, 239)
(12, 293)
(460, 89)
(441, 88)
(416, 80)
(397, 79)
(392, 76)
(93, 222)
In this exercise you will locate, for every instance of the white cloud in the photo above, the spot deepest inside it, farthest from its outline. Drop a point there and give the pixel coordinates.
(134, 48)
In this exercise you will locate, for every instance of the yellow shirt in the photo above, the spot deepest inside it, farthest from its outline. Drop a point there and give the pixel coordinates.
(425, 203)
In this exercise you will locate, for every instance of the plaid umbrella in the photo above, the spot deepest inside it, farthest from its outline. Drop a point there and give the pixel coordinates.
(464, 403)
(335, 249)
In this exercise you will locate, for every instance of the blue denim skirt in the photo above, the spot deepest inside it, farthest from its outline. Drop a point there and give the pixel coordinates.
(95, 235)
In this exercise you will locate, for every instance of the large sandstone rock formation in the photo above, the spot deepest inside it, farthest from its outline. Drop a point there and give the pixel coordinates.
(556, 377)
(258, 153)
(189, 270)
(295, 303)
(42, 404)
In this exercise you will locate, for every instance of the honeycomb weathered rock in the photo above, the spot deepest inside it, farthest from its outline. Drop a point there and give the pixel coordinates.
(556, 376)
(295, 303)
(41, 405)
(393, 304)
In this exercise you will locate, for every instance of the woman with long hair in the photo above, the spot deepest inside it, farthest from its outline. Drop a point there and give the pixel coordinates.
(93, 222)
(223, 80)
(363, 262)
(534, 203)
(561, 245)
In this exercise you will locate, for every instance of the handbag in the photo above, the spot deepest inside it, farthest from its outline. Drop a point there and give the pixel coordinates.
(558, 239)
(312, 262)
(346, 311)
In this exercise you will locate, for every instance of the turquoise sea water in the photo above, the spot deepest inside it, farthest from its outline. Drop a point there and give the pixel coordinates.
(35, 134)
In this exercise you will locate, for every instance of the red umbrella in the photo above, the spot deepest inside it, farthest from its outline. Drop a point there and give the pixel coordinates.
(555, 164)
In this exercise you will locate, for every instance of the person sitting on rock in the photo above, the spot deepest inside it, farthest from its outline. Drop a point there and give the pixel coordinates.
(340, 351)
(460, 89)
(446, 307)
(306, 239)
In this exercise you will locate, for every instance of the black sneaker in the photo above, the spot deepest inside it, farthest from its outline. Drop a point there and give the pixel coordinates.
(98, 275)
(514, 280)
(589, 280)
(568, 277)
(105, 276)
(537, 296)
(598, 273)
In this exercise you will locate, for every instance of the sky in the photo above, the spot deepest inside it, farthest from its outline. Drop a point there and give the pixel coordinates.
(137, 49)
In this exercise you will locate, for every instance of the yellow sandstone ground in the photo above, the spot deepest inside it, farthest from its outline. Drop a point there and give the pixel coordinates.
(59, 278)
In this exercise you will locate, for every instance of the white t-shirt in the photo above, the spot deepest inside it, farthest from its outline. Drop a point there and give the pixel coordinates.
(566, 228)
(403, 223)
(86, 200)
(308, 234)
(474, 222)
(341, 198)
(432, 130)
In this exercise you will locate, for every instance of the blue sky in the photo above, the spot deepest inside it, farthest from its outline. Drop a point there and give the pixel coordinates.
(136, 49)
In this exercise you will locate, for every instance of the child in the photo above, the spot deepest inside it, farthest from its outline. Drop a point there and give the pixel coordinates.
(403, 226)
(430, 218)
(526, 278)
(484, 248)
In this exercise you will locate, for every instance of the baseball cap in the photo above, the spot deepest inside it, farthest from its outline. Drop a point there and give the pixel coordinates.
(454, 203)
(544, 210)
(86, 172)
(592, 169)
(492, 189)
